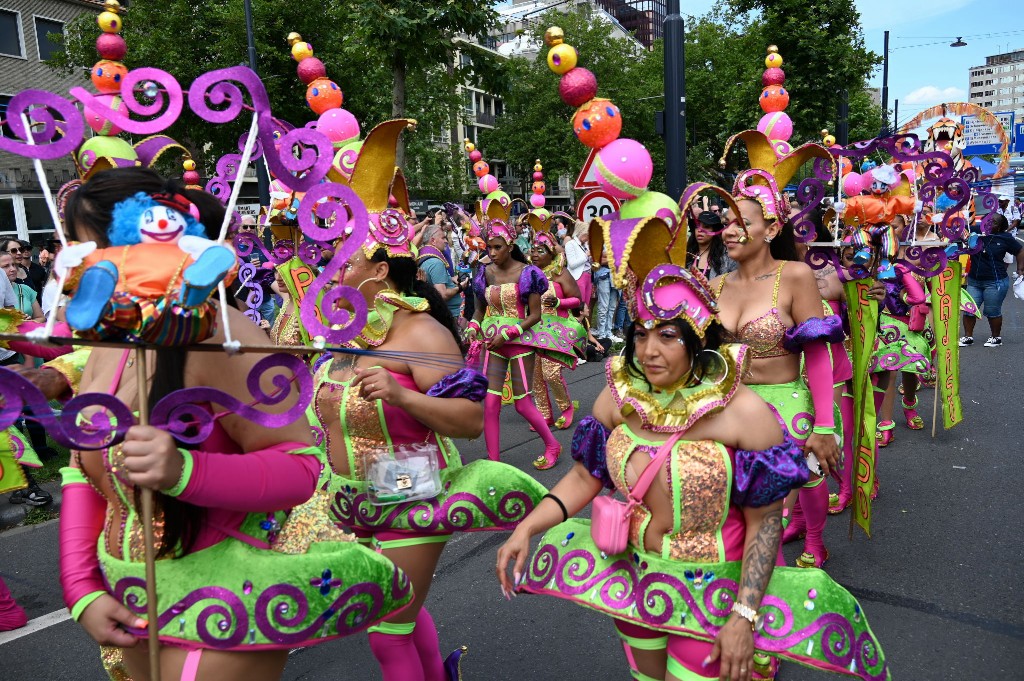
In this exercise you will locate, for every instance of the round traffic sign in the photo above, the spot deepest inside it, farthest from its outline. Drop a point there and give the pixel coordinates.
(596, 204)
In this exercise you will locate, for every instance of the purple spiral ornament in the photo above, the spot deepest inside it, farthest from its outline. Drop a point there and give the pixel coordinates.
(161, 89)
(346, 218)
(810, 193)
(57, 125)
(183, 413)
(253, 301)
(105, 427)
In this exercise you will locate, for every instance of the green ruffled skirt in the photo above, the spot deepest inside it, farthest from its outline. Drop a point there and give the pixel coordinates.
(808, 618)
(897, 348)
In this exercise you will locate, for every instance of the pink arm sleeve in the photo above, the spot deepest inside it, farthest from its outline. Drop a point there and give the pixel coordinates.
(819, 380)
(269, 479)
(913, 289)
(81, 521)
(44, 351)
(569, 303)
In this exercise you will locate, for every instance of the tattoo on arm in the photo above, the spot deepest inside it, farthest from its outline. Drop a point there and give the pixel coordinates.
(759, 559)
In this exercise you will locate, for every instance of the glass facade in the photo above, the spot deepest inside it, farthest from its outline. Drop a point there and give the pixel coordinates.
(645, 19)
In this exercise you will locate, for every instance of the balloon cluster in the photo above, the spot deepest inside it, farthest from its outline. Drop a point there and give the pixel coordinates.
(623, 166)
(775, 124)
(325, 99)
(487, 182)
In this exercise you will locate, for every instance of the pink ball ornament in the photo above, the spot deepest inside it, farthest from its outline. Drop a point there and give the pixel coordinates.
(853, 184)
(338, 125)
(624, 168)
(577, 87)
(773, 98)
(98, 123)
(475, 155)
(310, 69)
(537, 200)
(481, 168)
(773, 76)
(776, 126)
(538, 175)
(488, 183)
(111, 46)
(190, 177)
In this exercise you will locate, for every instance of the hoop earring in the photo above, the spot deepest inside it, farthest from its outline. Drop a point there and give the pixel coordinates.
(713, 375)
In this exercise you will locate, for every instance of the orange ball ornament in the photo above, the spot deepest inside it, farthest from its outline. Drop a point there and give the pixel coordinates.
(481, 168)
(107, 76)
(597, 123)
(539, 187)
(774, 98)
(323, 94)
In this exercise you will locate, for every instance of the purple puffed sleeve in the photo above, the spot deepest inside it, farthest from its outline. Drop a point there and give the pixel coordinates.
(763, 477)
(829, 330)
(479, 282)
(532, 280)
(465, 383)
(588, 447)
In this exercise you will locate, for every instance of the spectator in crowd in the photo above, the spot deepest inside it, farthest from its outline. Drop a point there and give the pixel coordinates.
(988, 281)
(706, 248)
(438, 270)
(577, 260)
(607, 300)
(524, 241)
(1009, 211)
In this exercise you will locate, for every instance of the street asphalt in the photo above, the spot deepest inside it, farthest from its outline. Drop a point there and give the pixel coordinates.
(940, 581)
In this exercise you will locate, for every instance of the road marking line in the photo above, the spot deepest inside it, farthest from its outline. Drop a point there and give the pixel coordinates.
(38, 624)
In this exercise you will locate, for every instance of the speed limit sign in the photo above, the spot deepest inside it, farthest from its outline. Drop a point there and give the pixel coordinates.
(595, 204)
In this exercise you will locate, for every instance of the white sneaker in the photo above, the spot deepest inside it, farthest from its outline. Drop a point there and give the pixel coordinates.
(994, 342)
(618, 337)
(965, 341)
(580, 361)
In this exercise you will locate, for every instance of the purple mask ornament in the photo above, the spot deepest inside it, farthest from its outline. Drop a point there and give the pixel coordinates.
(348, 220)
(183, 413)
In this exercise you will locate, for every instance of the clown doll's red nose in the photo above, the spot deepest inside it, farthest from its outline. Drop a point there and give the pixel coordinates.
(162, 224)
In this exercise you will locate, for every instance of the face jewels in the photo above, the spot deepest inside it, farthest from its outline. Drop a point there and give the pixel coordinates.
(649, 324)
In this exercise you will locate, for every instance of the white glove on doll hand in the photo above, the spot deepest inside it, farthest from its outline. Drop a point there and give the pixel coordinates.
(72, 255)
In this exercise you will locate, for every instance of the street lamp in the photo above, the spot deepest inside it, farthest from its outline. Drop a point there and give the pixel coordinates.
(675, 101)
(959, 42)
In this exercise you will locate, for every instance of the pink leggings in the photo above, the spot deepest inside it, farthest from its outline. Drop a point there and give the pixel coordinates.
(684, 655)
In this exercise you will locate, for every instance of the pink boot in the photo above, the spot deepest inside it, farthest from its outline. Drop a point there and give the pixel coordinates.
(837, 503)
(797, 527)
(552, 449)
(492, 425)
(12, 616)
(814, 501)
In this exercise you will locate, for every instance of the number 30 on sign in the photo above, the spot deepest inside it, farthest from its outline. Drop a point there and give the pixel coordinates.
(595, 204)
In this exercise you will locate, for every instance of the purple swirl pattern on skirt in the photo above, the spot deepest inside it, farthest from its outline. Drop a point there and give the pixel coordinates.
(456, 513)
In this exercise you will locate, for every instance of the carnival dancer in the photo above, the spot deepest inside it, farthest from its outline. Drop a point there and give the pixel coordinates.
(396, 479)
(558, 305)
(222, 534)
(507, 320)
(706, 466)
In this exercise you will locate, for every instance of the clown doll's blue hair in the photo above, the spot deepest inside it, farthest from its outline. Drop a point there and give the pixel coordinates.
(124, 230)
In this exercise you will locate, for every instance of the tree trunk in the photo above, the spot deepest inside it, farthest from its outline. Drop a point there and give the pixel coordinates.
(398, 105)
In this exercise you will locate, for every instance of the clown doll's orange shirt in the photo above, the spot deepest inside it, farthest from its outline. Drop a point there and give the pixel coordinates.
(877, 210)
(148, 270)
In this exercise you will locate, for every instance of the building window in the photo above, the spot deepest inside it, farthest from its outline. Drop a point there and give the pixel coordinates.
(10, 34)
(5, 130)
(47, 46)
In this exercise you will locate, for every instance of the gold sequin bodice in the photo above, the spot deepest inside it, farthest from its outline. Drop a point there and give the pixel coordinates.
(699, 477)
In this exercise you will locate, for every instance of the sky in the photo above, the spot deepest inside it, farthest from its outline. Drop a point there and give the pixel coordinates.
(923, 69)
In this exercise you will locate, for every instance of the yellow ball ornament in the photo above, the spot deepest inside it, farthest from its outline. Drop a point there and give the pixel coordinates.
(189, 164)
(109, 22)
(301, 50)
(774, 59)
(537, 166)
(562, 58)
(470, 146)
(554, 36)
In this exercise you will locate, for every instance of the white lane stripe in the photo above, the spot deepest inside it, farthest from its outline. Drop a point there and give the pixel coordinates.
(38, 624)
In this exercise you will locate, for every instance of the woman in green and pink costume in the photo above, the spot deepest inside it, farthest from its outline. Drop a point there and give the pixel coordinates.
(411, 390)
(696, 594)
(239, 582)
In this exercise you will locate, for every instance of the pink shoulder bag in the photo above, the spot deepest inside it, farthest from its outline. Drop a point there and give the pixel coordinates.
(609, 517)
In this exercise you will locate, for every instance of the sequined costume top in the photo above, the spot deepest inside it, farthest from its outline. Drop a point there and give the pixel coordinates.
(286, 328)
(764, 335)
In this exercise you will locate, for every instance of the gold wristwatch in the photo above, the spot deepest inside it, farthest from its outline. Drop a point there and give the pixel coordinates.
(747, 613)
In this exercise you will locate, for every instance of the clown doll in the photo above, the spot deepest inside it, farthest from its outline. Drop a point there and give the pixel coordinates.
(154, 281)
(871, 218)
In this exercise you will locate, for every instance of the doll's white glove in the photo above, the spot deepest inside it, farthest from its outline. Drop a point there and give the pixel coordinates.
(72, 255)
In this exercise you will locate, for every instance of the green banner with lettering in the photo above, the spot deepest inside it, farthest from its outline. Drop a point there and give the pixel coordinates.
(946, 321)
(863, 313)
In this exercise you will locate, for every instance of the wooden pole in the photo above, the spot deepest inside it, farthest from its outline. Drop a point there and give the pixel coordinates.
(152, 614)
(935, 407)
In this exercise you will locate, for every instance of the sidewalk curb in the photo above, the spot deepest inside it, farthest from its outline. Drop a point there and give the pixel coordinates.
(13, 515)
